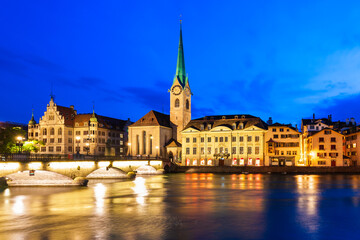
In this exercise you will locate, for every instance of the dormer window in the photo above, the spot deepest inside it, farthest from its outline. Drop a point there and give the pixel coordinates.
(241, 125)
(202, 127)
(223, 117)
(209, 126)
(242, 116)
(234, 126)
(236, 117)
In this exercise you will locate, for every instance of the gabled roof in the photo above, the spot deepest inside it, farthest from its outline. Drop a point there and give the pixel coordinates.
(227, 120)
(104, 122)
(153, 118)
(316, 121)
(68, 114)
(173, 143)
(283, 125)
(324, 130)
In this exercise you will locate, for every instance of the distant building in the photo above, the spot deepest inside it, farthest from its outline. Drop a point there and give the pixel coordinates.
(236, 140)
(283, 146)
(7, 124)
(352, 144)
(64, 131)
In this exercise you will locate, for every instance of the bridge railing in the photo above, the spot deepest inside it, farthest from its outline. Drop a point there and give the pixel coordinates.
(63, 157)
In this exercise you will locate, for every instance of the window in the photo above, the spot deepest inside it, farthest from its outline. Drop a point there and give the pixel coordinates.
(58, 149)
(311, 127)
(77, 133)
(209, 150)
(59, 140)
(321, 139)
(194, 140)
(51, 149)
(282, 152)
(281, 129)
(70, 149)
(43, 149)
(276, 152)
(283, 136)
(52, 131)
(241, 150)
(288, 152)
(187, 150)
(69, 132)
(249, 150)
(202, 150)
(121, 142)
(45, 140)
(44, 131)
(86, 132)
(216, 139)
(257, 138)
(257, 150)
(60, 131)
(121, 135)
(177, 103)
(52, 140)
(333, 147)
(276, 136)
(202, 139)
(274, 129)
(187, 104)
(209, 139)
(327, 132)
(233, 139)
(226, 139)
(249, 139)
(202, 127)
(36, 134)
(294, 152)
(241, 139)
(233, 151)
(321, 147)
(194, 150)
(209, 126)
(84, 140)
(321, 162)
(70, 140)
(333, 139)
(226, 150)
(187, 140)
(221, 139)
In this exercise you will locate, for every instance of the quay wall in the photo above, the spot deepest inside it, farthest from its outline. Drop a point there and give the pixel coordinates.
(74, 168)
(272, 169)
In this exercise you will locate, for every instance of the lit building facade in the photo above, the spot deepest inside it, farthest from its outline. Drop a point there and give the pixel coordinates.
(231, 140)
(63, 131)
(352, 145)
(325, 148)
(283, 146)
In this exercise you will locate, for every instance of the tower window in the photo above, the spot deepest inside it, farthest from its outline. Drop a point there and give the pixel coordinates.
(187, 104)
(177, 103)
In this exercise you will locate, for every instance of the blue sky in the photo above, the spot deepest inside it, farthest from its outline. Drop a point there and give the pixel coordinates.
(284, 59)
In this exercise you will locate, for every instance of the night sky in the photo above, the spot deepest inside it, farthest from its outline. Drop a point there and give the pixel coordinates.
(266, 58)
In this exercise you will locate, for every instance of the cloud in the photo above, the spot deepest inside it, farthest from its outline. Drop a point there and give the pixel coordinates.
(339, 76)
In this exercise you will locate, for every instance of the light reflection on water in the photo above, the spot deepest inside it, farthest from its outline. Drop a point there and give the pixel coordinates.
(187, 206)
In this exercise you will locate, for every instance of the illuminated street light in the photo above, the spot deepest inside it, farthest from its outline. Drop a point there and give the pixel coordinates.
(78, 145)
(19, 142)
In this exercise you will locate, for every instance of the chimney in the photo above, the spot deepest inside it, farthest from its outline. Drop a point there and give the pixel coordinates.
(314, 116)
(296, 127)
(330, 118)
(72, 107)
(270, 121)
(347, 121)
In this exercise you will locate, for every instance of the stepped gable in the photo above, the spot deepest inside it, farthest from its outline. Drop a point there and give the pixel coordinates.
(153, 118)
(227, 120)
(105, 122)
(69, 114)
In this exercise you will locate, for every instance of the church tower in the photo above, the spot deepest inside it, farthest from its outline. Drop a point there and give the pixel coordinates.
(180, 93)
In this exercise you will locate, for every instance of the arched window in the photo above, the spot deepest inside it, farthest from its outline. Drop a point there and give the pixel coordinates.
(144, 142)
(187, 104)
(44, 131)
(52, 131)
(60, 131)
(177, 103)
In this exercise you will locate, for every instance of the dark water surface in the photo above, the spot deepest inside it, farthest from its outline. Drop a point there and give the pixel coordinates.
(188, 206)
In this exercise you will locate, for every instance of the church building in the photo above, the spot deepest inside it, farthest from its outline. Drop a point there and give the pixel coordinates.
(157, 134)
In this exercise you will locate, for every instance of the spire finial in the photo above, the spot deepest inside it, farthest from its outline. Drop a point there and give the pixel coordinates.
(93, 108)
(180, 18)
(52, 96)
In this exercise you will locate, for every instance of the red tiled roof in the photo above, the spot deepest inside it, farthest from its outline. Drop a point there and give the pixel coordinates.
(68, 114)
(153, 118)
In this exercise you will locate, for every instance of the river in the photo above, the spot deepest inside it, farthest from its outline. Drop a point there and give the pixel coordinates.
(187, 206)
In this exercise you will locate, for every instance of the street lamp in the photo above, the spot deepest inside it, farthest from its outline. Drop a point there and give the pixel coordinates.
(78, 145)
(87, 148)
(312, 154)
(19, 142)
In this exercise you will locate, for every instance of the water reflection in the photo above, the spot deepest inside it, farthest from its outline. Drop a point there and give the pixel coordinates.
(140, 190)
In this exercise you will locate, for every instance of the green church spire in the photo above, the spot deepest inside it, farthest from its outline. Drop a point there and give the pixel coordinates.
(180, 67)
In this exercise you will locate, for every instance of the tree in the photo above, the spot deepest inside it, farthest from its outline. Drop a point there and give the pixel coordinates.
(8, 139)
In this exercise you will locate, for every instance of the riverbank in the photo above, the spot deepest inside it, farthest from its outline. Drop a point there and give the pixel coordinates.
(273, 169)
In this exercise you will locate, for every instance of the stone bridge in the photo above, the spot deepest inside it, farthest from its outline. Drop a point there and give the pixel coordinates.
(73, 166)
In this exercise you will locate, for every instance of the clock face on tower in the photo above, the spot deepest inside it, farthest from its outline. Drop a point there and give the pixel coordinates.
(176, 89)
(187, 91)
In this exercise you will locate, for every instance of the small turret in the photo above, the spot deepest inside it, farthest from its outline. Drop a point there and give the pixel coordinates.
(32, 121)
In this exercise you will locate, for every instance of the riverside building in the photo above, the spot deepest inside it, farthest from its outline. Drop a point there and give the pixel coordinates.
(64, 131)
(231, 140)
(283, 146)
(158, 134)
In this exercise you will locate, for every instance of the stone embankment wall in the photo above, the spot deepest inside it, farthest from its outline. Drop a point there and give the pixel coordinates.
(73, 168)
(280, 170)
